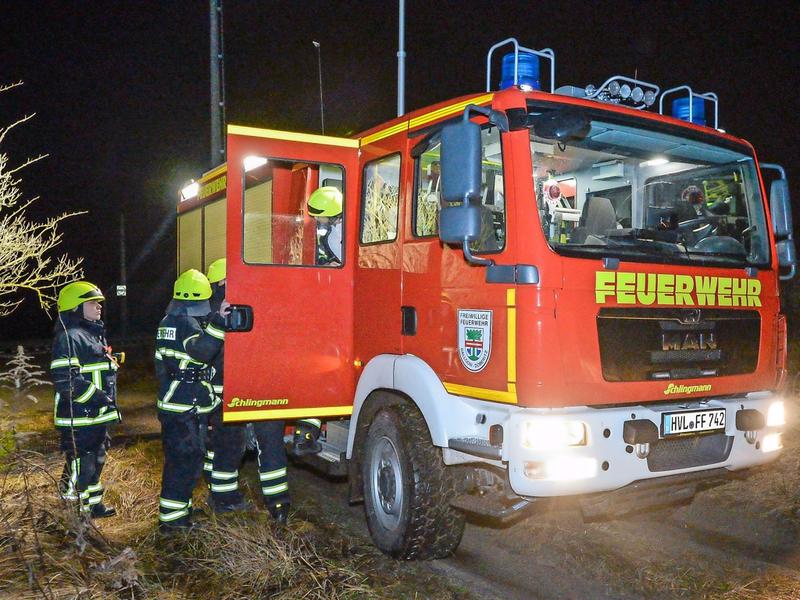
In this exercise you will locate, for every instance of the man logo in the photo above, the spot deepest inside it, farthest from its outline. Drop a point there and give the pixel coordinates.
(690, 317)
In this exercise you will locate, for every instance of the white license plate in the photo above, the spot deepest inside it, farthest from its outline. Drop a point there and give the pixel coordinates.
(693, 421)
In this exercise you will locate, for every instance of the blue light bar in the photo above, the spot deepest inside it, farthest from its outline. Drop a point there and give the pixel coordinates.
(527, 72)
(680, 110)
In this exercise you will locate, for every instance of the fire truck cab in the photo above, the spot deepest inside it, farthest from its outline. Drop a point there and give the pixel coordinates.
(526, 295)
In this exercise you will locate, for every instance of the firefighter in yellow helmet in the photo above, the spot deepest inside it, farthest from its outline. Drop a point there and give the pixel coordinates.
(185, 350)
(325, 204)
(83, 371)
(228, 441)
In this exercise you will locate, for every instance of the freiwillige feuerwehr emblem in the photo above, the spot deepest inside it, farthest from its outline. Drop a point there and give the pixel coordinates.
(474, 338)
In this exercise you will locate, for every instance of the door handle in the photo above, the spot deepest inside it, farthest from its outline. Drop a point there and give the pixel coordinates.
(240, 318)
(409, 314)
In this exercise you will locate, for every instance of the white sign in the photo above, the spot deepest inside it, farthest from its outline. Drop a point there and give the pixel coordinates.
(122, 290)
(474, 338)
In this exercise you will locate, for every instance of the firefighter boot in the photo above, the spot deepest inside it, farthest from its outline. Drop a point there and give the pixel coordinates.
(280, 512)
(305, 440)
(101, 511)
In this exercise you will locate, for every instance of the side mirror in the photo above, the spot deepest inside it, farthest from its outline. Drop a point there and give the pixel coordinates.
(781, 208)
(780, 205)
(461, 183)
(461, 162)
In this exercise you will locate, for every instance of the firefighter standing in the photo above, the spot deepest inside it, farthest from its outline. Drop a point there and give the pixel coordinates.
(228, 442)
(184, 351)
(84, 376)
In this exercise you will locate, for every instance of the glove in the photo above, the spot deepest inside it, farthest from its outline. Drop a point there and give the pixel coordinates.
(107, 442)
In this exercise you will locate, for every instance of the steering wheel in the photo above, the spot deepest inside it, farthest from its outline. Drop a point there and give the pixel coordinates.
(694, 230)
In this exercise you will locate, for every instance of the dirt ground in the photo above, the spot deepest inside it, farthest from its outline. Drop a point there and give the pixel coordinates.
(737, 540)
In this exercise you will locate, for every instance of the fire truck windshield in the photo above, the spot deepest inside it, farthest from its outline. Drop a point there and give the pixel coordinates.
(648, 193)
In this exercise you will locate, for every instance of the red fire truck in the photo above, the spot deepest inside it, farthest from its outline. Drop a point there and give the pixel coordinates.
(536, 294)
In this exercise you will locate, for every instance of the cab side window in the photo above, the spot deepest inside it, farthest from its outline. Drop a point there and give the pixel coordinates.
(427, 197)
(381, 199)
(292, 213)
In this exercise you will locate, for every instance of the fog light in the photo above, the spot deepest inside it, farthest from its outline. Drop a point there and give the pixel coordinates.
(552, 434)
(562, 468)
(771, 442)
(776, 415)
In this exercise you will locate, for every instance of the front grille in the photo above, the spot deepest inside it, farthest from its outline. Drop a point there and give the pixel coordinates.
(641, 344)
(690, 451)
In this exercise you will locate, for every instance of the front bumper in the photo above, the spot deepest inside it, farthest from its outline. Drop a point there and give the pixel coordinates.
(607, 462)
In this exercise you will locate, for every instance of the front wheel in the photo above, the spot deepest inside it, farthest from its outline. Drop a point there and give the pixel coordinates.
(407, 488)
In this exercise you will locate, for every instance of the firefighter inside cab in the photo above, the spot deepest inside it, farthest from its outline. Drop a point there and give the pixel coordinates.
(325, 204)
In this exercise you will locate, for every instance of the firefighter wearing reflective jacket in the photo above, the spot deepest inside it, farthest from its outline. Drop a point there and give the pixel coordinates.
(84, 376)
(184, 351)
(228, 442)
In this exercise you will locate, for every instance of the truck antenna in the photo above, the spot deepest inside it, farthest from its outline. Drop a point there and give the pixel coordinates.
(317, 45)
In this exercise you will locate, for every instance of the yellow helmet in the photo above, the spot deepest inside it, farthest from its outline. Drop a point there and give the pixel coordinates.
(192, 285)
(216, 270)
(76, 293)
(325, 202)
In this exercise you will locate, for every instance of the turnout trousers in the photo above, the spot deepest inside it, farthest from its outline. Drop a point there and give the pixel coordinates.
(183, 440)
(222, 460)
(85, 459)
(272, 462)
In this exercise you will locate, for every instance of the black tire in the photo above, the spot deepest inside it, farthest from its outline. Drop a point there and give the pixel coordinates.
(407, 488)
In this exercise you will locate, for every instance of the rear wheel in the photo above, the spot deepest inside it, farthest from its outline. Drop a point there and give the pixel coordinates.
(407, 488)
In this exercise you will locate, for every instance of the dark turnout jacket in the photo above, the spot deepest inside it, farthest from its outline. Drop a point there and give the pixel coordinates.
(184, 353)
(83, 373)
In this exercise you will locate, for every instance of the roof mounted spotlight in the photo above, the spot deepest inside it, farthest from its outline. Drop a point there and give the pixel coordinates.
(625, 91)
(190, 190)
(521, 67)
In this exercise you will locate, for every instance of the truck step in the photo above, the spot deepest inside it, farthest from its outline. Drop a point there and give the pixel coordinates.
(476, 446)
(492, 507)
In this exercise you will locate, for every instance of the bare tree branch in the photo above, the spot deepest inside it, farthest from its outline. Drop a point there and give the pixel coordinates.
(27, 260)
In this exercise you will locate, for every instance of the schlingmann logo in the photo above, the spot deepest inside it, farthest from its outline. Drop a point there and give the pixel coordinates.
(686, 389)
(251, 403)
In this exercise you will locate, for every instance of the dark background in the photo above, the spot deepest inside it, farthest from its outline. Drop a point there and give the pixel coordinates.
(121, 94)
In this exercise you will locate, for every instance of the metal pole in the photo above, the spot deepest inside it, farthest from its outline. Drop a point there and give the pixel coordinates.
(401, 61)
(123, 275)
(319, 66)
(215, 10)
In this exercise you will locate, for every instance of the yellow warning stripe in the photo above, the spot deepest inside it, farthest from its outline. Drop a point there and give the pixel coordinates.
(423, 119)
(448, 110)
(288, 413)
(511, 304)
(509, 397)
(215, 172)
(292, 136)
(384, 133)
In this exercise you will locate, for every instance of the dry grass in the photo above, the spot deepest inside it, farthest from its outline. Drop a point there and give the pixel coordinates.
(47, 550)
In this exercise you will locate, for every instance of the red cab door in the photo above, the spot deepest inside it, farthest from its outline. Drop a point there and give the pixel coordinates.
(290, 271)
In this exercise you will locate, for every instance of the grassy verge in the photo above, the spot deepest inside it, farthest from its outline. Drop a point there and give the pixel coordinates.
(47, 550)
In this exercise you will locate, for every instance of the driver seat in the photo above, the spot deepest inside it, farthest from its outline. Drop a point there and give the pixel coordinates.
(598, 217)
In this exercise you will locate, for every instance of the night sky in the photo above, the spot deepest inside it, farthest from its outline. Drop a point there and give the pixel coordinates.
(121, 93)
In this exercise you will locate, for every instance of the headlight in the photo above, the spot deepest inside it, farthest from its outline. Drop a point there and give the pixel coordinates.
(553, 434)
(771, 442)
(776, 415)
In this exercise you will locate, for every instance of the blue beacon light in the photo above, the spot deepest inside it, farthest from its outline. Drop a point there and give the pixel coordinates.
(680, 109)
(527, 72)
